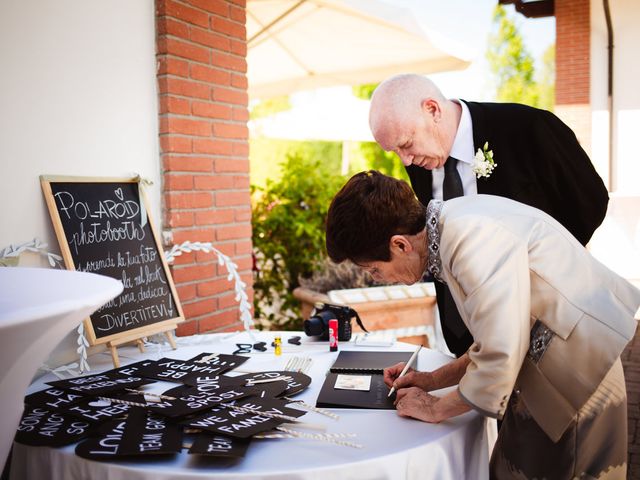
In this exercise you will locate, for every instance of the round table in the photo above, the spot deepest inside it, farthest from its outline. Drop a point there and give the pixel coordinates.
(393, 447)
(38, 307)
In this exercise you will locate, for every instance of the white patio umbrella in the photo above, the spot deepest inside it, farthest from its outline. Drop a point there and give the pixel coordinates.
(306, 44)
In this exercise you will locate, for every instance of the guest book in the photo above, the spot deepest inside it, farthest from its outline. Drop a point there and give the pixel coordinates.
(369, 363)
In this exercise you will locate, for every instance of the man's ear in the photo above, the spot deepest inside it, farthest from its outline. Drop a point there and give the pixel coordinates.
(400, 244)
(431, 107)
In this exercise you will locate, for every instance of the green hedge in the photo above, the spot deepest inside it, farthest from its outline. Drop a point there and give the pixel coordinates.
(292, 186)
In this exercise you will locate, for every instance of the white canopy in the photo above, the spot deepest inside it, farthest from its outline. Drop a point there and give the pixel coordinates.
(306, 44)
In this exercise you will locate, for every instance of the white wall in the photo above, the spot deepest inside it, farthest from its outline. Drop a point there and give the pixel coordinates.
(625, 16)
(78, 96)
(617, 242)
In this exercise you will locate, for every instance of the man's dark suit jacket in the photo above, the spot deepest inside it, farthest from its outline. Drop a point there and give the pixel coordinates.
(539, 162)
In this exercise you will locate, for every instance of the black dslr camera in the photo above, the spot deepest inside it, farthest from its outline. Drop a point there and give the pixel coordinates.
(318, 323)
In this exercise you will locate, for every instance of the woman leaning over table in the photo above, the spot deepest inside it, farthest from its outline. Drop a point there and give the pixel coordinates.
(549, 322)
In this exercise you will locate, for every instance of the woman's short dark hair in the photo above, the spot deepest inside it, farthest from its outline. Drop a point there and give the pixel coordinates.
(366, 213)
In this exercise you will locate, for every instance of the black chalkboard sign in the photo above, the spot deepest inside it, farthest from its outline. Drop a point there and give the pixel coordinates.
(103, 226)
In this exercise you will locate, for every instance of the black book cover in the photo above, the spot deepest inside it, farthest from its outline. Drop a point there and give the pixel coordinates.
(367, 362)
(376, 397)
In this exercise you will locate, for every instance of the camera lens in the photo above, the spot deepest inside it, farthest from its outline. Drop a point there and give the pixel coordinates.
(314, 326)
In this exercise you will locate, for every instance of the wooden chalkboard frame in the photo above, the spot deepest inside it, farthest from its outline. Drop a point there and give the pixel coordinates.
(133, 334)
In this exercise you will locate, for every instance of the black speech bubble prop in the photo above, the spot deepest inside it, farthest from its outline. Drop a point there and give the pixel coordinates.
(131, 370)
(226, 361)
(224, 421)
(218, 382)
(219, 446)
(97, 411)
(104, 447)
(142, 434)
(183, 371)
(100, 384)
(211, 383)
(40, 427)
(252, 416)
(149, 434)
(53, 399)
(297, 381)
(190, 401)
(271, 389)
(271, 406)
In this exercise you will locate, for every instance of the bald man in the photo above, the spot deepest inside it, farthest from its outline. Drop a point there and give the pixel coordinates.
(538, 161)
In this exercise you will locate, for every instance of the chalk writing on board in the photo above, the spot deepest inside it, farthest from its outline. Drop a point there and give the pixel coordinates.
(95, 220)
(103, 228)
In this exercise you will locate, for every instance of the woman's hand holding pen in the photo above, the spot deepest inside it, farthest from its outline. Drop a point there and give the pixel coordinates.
(412, 378)
(412, 399)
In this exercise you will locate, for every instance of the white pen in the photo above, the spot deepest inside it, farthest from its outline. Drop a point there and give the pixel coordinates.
(406, 368)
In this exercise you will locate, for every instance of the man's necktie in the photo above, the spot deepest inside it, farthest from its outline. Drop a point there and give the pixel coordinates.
(452, 185)
(456, 334)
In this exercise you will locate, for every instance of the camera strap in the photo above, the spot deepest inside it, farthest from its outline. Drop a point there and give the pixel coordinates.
(359, 321)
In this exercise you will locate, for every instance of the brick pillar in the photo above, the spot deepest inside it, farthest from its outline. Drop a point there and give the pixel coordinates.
(573, 39)
(202, 83)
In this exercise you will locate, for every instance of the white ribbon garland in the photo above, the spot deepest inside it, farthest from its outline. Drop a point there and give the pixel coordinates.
(186, 247)
(83, 344)
(36, 246)
(55, 261)
(240, 287)
(13, 252)
(59, 372)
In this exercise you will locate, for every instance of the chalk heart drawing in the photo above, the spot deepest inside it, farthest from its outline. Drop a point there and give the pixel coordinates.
(119, 193)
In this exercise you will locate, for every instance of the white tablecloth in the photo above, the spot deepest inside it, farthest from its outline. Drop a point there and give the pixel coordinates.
(38, 307)
(393, 447)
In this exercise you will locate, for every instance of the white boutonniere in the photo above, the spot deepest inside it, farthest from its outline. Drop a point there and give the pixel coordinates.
(484, 164)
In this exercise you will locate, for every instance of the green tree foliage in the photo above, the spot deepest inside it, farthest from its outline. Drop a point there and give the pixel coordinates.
(365, 91)
(510, 61)
(547, 83)
(266, 154)
(289, 216)
(514, 67)
(369, 156)
(269, 106)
